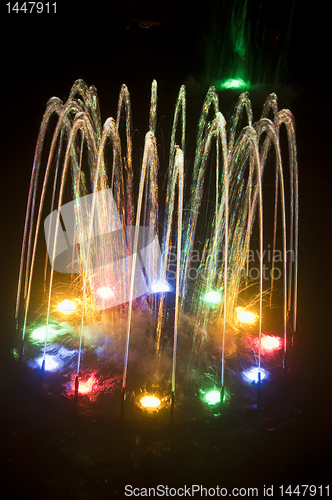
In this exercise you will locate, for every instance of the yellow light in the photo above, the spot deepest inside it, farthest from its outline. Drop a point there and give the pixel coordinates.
(150, 401)
(245, 316)
(67, 306)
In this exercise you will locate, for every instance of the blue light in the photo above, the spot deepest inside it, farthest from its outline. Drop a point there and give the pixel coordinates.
(252, 374)
(160, 287)
(52, 363)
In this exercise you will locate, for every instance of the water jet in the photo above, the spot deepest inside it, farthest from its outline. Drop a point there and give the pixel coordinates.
(109, 248)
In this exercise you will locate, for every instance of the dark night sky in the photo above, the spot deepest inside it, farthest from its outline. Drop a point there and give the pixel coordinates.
(132, 43)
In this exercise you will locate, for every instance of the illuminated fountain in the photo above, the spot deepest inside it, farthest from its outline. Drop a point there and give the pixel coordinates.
(102, 286)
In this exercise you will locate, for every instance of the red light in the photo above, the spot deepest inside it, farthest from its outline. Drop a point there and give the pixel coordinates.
(86, 386)
(269, 343)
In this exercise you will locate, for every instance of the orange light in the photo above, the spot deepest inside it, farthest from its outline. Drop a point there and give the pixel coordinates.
(245, 316)
(150, 402)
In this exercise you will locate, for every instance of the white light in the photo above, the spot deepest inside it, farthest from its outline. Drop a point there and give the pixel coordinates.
(105, 292)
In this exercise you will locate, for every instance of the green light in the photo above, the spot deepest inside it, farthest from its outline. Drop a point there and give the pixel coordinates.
(53, 330)
(39, 334)
(213, 297)
(212, 397)
(234, 83)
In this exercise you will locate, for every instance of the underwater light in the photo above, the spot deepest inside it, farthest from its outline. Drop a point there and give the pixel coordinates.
(82, 386)
(234, 83)
(51, 363)
(39, 334)
(212, 397)
(67, 306)
(150, 401)
(213, 297)
(105, 292)
(160, 287)
(245, 316)
(252, 374)
(271, 342)
(85, 387)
